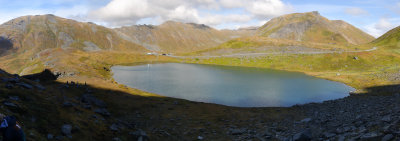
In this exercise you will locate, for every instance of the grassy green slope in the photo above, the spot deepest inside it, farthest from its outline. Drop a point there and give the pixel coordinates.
(391, 38)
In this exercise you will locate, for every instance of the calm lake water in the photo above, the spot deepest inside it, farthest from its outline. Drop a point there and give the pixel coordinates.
(231, 86)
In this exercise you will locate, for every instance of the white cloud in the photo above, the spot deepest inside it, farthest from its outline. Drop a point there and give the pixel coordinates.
(355, 11)
(382, 26)
(214, 20)
(268, 8)
(232, 3)
(211, 12)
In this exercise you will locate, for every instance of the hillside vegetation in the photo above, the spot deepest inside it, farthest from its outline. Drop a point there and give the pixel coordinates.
(391, 38)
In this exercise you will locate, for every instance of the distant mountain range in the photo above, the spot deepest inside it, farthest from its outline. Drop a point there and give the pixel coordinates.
(23, 39)
(48, 31)
(179, 37)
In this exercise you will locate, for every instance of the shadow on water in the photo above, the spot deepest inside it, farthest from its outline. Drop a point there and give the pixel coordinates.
(110, 113)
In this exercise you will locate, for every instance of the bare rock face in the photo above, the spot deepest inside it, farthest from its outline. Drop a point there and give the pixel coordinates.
(66, 39)
(293, 31)
(89, 46)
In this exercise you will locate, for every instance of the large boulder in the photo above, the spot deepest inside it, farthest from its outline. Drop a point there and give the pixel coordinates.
(66, 129)
(303, 136)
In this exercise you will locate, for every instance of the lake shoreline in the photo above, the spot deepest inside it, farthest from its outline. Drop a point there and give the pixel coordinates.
(226, 85)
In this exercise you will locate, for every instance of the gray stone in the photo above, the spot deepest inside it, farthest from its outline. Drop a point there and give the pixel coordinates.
(303, 136)
(59, 138)
(66, 38)
(50, 136)
(386, 118)
(266, 134)
(88, 98)
(200, 138)
(9, 86)
(90, 47)
(370, 136)
(10, 104)
(140, 135)
(116, 139)
(341, 138)
(24, 85)
(67, 104)
(102, 111)
(40, 87)
(66, 129)
(306, 120)
(115, 127)
(329, 135)
(343, 129)
(237, 131)
(15, 98)
(86, 106)
(388, 128)
(11, 80)
(388, 137)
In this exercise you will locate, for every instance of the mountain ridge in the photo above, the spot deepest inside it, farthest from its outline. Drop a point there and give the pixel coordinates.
(390, 38)
(178, 37)
(313, 27)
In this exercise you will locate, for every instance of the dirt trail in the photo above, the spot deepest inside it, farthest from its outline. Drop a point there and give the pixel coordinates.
(275, 53)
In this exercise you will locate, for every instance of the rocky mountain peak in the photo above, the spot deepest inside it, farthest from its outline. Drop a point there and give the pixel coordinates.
(311, 26)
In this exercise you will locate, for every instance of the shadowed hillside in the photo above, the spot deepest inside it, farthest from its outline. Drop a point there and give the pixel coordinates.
(6, 45)
(52, 110)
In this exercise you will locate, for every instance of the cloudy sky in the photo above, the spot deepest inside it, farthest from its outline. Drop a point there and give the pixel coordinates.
(373, 16)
